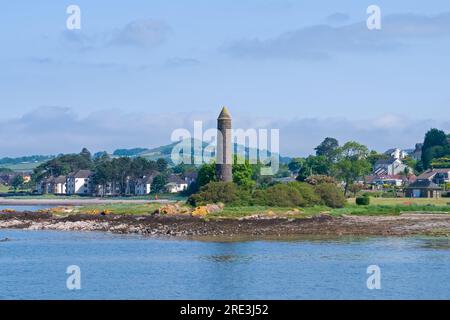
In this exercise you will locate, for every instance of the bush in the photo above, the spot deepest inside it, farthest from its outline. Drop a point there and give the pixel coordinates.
(363, 201)
(331, 195)
(319, 179)
(293, 194)
(309, 195)
(224, 192)
(283, 195)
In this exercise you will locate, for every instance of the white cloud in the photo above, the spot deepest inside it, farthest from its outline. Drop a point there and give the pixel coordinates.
(322, 41)
(53, 130)
(146, 33)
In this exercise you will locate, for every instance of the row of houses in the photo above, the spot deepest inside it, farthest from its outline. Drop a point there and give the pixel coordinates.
(393, 172)
(81, 183)
(429, 184)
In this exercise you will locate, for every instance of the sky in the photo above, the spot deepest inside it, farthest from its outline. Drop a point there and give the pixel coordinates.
(137, 70)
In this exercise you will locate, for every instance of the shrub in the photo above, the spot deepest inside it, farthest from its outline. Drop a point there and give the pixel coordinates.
(331, 195)
(319, 179)
(283, 195)
(363, 201)
(215, 192)
(293, 194)
(309, 195)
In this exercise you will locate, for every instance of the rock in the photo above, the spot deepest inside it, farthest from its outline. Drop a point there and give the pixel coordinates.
(172, 209)
(200, 211)
(209, 208)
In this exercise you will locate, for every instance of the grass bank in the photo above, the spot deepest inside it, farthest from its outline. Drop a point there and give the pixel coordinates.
(231, 212)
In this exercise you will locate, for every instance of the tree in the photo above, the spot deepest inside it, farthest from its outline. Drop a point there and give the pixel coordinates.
(314, 165)
(435, 146)
(374, 157)
(161, 164)
(352, 163)
(159, 183)
(327, 148)
(86, 154)
(17, 182)
(296, 164)
(206, 174)
(242, 174)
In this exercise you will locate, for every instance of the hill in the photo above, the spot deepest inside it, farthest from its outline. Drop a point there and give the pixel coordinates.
(25, 163)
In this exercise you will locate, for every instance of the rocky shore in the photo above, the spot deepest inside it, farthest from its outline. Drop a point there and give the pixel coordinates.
(186, 226)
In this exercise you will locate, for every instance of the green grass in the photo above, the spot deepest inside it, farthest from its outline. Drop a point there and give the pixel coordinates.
(121, 208)
(231, 212)
(19, 167)
(405, 201)
(388, 210)
(3, 188)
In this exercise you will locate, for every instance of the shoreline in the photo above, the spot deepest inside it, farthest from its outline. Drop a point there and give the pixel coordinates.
(77, 202)
(184, 226)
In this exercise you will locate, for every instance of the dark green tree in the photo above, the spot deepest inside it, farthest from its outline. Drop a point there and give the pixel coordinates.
(162, 164)
(435, 146)
(17, 182)
(352, 163)
(242, 173)
(206, 174)
(159, 183)
(327, 148)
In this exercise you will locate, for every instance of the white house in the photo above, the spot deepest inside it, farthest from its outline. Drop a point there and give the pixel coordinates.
(79, 183)
(175, 184)
(143, 186)
(397, 153)
(59, 185)
(390, 167)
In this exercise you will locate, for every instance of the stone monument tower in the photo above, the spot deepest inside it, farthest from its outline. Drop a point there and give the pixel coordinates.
(224, 147)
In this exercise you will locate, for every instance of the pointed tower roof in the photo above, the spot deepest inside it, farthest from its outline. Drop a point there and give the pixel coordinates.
(224, 114)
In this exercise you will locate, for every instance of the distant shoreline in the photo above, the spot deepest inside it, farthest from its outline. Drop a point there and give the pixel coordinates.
(76, 202)
(197, 228)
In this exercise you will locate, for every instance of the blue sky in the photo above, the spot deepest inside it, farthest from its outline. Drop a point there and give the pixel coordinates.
(139, 69)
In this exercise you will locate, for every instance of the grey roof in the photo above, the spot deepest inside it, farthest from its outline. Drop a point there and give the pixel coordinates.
(383, 161)
(424, 184)
(60, 179)
(175, 179)
(82, 174)
(431, 173)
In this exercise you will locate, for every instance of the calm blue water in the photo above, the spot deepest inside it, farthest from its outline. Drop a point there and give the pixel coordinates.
(33, 265)
(20, 208)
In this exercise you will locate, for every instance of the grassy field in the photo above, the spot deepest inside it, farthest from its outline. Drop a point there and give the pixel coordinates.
(3, 188)
(20, 167)
(388, 207)
(406, 201)
(129, 209)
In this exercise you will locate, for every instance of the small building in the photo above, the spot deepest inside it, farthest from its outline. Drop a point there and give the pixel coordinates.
(438, 176)
(175, 184)
(396, 153)
(391, 166)
(79, 183)
(143, 186)
(378, 182)
(59, 185)
(48, 186)
(191, 177)
(107, 190)
(423, 188)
